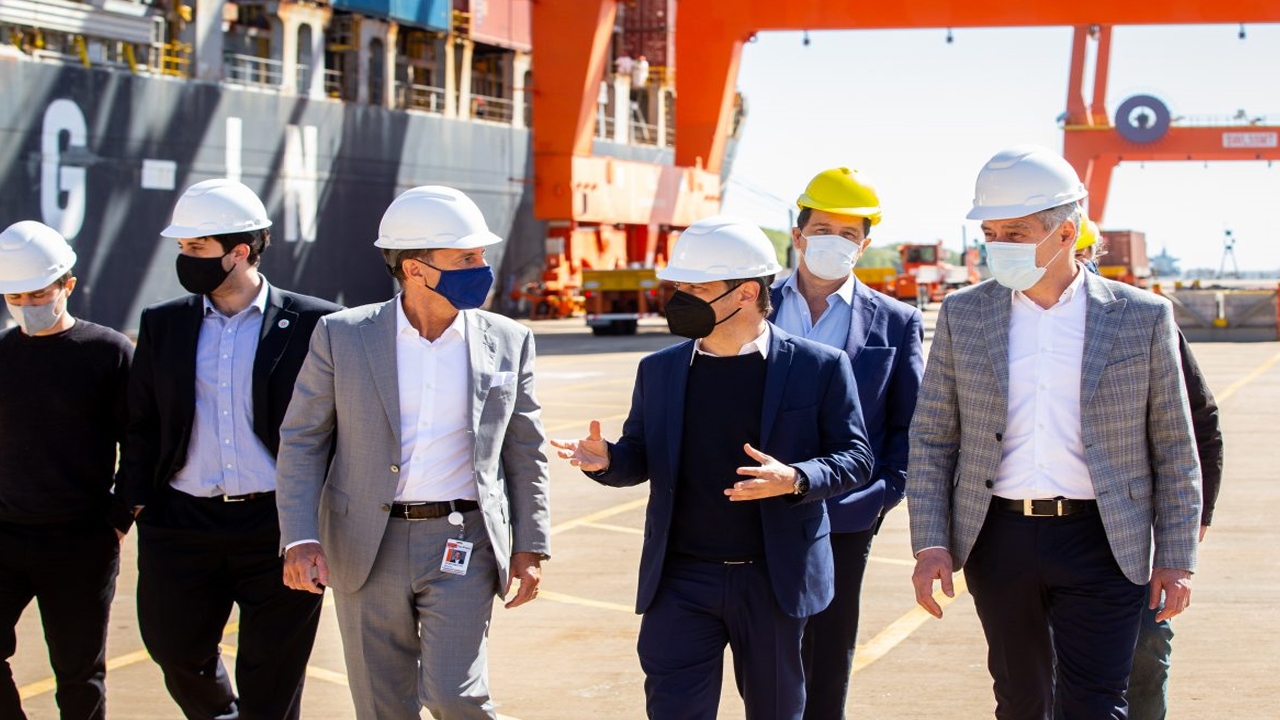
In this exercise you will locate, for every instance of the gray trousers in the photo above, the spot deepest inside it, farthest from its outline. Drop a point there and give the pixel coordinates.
(414, 636)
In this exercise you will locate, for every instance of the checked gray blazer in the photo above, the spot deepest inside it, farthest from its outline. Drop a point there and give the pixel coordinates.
(346, 402)
(1135, 425)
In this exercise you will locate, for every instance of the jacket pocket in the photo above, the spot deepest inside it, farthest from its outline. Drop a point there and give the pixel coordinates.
(334, 500)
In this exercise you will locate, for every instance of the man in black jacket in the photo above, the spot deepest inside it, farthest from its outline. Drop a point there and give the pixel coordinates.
(62, 387)
(212, 377)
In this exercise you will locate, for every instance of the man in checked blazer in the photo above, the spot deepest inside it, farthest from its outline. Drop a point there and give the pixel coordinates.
(412, 475)
(1051, 441)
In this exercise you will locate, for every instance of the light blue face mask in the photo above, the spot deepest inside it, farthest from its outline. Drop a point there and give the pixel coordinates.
(1014, 264)
(35, 319)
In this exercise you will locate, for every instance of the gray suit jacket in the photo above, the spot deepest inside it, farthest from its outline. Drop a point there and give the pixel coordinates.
(346, 405)
(1134, 419)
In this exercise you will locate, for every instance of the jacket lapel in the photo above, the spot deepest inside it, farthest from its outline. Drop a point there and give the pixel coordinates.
(862, 317)
(186, 339)
(482, 351)
(677, 382)
(278, 324)
(995, 326)
(777, 368)
(379, 340)
(1102, 321)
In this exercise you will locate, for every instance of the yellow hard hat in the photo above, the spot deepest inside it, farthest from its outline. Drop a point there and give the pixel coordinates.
(1088, 235)
(844, 192)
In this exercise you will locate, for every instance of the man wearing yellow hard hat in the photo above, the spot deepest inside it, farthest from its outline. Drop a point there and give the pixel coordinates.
(884, 338)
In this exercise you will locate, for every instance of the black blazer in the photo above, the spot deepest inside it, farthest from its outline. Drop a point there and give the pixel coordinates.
(162, 383)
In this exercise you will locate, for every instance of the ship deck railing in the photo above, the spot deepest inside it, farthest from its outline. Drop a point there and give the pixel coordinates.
(495, 109)
(252, 71)
(421, 97)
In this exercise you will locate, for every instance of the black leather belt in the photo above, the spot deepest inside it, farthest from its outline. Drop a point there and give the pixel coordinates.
(431, 510)
(1051, 507)
(240, 498)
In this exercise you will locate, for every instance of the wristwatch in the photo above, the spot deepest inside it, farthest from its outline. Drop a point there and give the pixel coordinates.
(801, 486)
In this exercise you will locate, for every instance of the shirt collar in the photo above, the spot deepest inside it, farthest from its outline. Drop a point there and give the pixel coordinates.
(1065, 298)
(403, 326)
(759, 345)
(259, 300)
(844, 292)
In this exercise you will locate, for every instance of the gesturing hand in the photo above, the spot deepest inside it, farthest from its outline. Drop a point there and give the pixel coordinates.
(590, 453)
(771, 478)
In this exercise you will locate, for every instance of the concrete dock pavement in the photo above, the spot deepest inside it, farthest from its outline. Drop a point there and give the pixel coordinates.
(571, 654)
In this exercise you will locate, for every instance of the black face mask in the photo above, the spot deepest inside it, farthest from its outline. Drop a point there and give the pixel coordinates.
(692, 317)
(201, 275)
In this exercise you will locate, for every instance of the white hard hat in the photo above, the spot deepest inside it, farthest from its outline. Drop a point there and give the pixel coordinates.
(721, 247)
(216, 207)
(32, 256)
(431, 217)
(1022, 180)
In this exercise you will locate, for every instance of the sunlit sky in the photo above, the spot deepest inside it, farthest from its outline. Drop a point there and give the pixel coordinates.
(920, 116)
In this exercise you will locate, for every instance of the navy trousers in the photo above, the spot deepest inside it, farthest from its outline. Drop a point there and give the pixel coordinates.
(830, 636)
(1046, 588)
(700, 607)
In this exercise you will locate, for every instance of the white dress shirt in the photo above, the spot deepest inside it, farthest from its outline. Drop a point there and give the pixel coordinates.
(759, 345)
(435, 420)
(1043, 450)
(832, 327)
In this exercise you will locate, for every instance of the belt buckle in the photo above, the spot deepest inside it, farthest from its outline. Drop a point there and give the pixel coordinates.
(1029, 508)
(231, 499)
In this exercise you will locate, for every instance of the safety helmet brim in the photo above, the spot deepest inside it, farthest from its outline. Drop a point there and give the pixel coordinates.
(437, 242)
(1010, 212)
(39, 282)
(210, 229)
(871, 213)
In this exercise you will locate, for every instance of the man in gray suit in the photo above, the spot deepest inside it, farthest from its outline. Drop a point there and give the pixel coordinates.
(412, 476)
(1051, 438)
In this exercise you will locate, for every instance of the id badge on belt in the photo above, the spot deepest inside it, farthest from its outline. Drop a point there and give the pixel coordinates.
(457, 552)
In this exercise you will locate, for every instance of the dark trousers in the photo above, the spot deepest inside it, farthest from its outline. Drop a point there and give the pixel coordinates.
(1046, 588)
(197, 557)
(70, 570)
(830, 636)
(700, 607)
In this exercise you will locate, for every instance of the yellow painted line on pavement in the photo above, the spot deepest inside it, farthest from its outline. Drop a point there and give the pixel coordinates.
(614, 528)
(584, 602)
(901, 629)
(1258, 371)
(601, 515)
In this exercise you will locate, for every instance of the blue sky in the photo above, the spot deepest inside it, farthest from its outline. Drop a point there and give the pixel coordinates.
(920, 117)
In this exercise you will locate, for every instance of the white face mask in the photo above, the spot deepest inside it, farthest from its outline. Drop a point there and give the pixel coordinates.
(830, 257)
(35, 319)
(1014, 264)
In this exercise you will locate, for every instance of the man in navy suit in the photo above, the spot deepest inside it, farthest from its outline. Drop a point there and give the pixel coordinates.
(742, 433)
(823, 301)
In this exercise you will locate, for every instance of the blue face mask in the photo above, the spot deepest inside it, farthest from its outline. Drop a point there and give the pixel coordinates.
(464, 289)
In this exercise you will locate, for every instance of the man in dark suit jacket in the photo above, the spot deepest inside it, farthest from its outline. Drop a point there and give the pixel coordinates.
(884, 339)
(213, 377)
(742, 433)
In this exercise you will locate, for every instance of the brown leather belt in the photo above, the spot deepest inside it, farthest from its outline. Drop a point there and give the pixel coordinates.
(1050, 507)
(431, 510)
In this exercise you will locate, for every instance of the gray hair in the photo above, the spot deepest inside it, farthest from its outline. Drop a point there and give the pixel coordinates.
(395, 259)
(1055, 216)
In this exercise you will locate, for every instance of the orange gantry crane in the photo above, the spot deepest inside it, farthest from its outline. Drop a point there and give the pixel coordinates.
(610, 212)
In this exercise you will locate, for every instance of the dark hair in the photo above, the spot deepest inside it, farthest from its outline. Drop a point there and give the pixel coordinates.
(763, 302)
(805, 213)
(257, 240)
(62, 281)
(395, 260)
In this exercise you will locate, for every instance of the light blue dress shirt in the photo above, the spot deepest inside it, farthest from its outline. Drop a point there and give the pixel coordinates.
(832, 327)
(224, 455)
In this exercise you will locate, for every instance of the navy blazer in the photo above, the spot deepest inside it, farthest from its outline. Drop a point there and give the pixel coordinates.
(810, 420)
(162, 382)
(886, 347)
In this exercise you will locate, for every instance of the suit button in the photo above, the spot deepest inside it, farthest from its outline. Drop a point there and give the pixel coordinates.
(395, 468)
(989, 484)
(386, 507)
(999, 437)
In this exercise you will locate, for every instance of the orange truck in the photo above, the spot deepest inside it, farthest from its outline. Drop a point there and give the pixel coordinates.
(925, 276)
